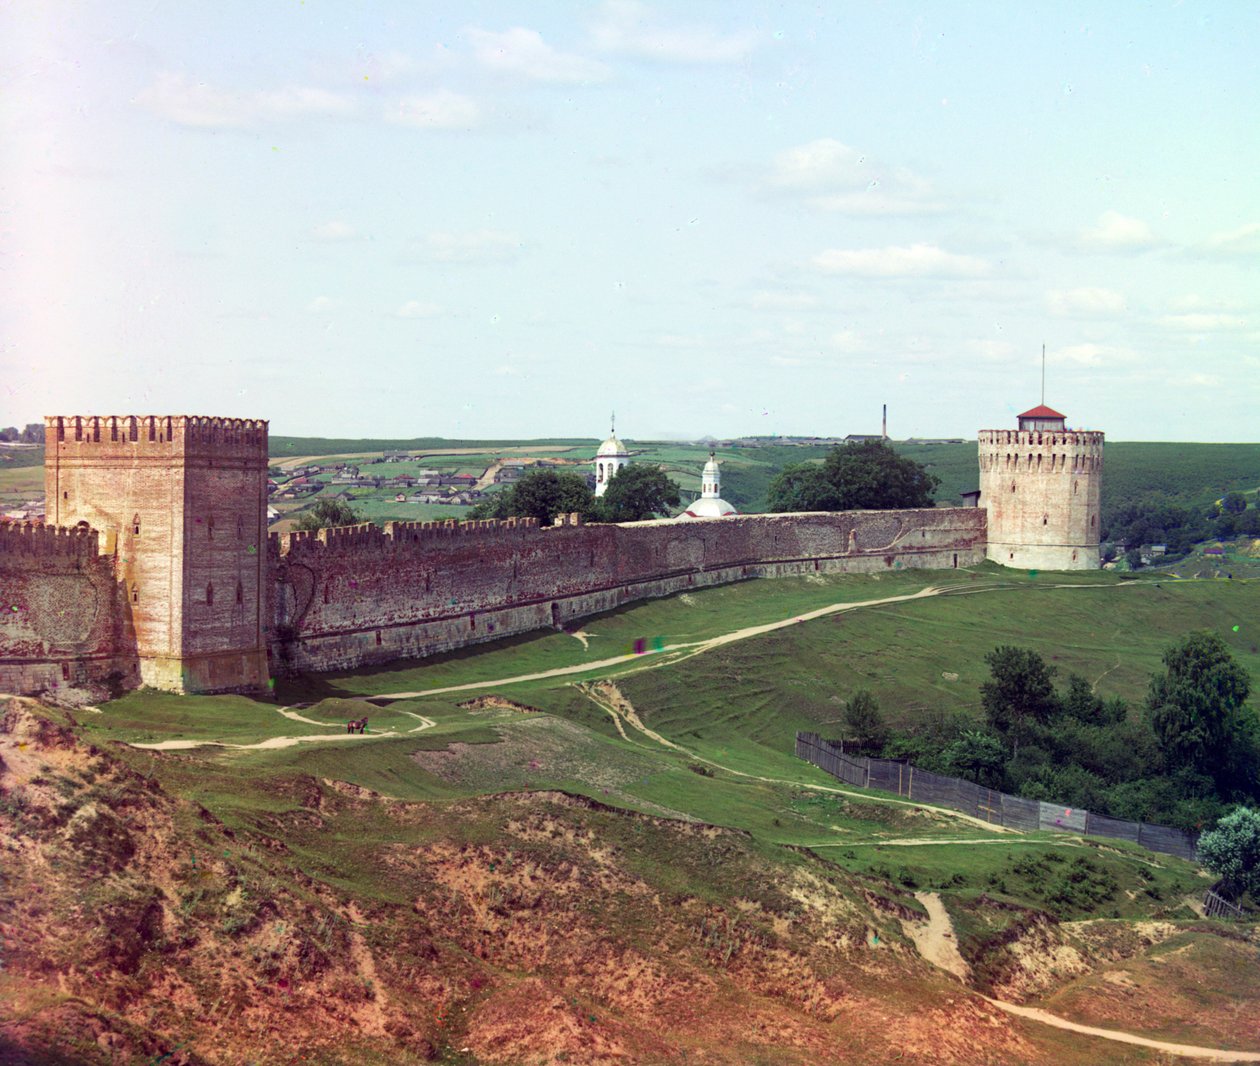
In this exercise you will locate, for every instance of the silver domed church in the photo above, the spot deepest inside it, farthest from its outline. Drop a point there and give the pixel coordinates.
(610, 458)
(710, 504)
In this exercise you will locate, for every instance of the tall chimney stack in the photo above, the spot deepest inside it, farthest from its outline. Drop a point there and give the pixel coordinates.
(885, 421)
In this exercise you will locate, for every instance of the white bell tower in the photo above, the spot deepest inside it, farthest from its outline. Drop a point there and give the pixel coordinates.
(610, 458)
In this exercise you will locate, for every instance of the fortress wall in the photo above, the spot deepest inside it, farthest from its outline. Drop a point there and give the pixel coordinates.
(349, 597)
(63, 616)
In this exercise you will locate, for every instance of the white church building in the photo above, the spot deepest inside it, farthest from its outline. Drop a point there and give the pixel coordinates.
(710, 504)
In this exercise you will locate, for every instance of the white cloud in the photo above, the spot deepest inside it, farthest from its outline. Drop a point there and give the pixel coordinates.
(786, 360)
(523, 52)
(834, 177)
(1089, 355)
(418, 309)
(1194, 302)
(1118, 231)
(1209, 381)
(188, 103)
(1242, 241)
(442, 110)
(336, 230)
(1086, 302)
(1202, 322)
(477, 246)
(634, 29)
(993, 351)
(846, 340)
(321, 305)
(783, 301)
(917, 260)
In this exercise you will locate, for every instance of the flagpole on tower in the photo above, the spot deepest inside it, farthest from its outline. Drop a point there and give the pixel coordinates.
(1043, 374)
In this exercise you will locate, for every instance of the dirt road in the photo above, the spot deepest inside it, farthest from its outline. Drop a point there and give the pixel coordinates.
(937, 944)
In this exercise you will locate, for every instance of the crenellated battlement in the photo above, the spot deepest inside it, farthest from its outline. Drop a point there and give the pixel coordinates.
(1072, 438)
(35, 540)
(160, 434)
(368, 537)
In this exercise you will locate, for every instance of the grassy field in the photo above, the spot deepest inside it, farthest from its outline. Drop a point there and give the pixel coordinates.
(725, 716)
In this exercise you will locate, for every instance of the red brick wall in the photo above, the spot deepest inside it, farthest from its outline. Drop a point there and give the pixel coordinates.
(63, 619)
(348, 597)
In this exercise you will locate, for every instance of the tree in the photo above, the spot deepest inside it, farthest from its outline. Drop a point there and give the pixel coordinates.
(328, 511)
(976, 756)
(638, 492)
(1196, 707)
(33, 433)
(858, 476)
(1234, 503)
(1020, 695)
(541, 493)
(802, 487)
(1232, 852)
(10, 433)
(866, 723)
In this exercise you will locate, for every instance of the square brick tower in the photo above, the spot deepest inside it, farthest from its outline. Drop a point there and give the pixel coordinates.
(181, 504)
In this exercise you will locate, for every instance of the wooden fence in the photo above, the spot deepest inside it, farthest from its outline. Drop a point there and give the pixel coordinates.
(989, 805)
(1215, 906)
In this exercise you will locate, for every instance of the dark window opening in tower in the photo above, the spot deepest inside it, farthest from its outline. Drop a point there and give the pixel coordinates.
(135, 594)
(210, 595)
(135, 525)
(240, 594)
(378, 636)
(210, 528)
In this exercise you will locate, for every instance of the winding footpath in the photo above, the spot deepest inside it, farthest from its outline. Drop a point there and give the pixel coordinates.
(937, 944)
(285, 742)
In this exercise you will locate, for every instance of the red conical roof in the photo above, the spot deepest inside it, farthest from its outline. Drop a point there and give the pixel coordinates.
(1042, 411)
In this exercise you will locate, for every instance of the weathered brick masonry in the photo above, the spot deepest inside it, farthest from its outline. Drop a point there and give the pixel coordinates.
(346, 597)
(167, 577)
(180, 505)
(64, 620)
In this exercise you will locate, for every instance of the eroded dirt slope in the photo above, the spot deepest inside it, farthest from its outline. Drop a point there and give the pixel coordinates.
(311, 921)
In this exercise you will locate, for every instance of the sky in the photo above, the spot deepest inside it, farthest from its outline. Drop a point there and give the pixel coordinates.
(506, 220)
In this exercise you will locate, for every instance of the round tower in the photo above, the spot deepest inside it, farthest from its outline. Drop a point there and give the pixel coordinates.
(610, 458)
(1041, 485)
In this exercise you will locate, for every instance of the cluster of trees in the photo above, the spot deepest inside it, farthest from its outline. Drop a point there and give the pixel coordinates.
(1156, 520)
(857, 476)
(1191, 752)
(33, 433)
(638, 492)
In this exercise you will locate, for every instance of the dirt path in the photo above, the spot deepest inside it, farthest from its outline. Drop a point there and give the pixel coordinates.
(294, 716)
(935, 937)
(676, 653)
(923, 842)
(615, 707)
(263, 745)
(670, 653)
(937, 944)
(610, 696)
(1188, 1051)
